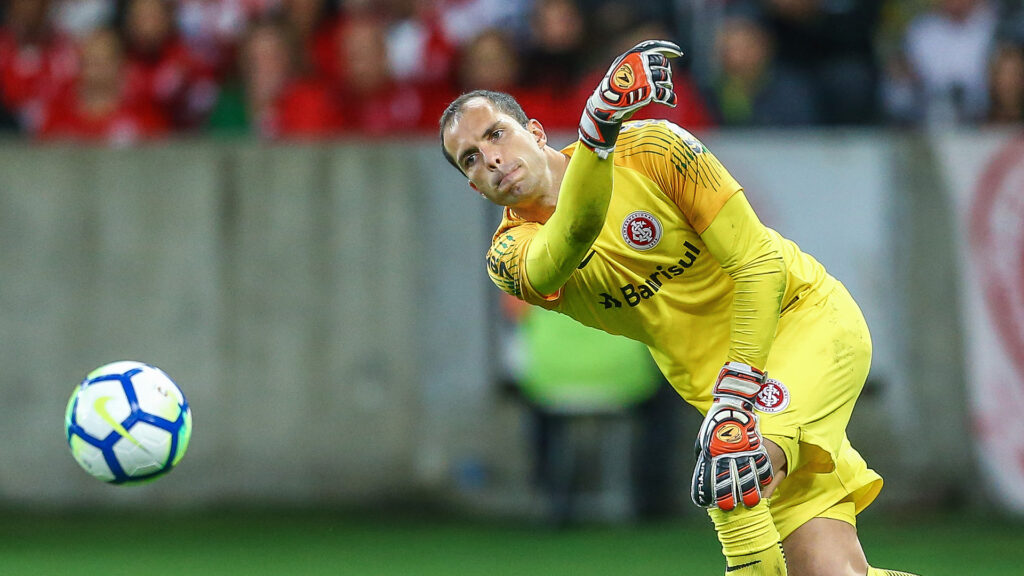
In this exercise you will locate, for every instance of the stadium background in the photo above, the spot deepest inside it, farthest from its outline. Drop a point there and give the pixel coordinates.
(315, 282)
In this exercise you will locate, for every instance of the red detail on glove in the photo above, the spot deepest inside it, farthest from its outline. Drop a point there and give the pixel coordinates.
(730, 437)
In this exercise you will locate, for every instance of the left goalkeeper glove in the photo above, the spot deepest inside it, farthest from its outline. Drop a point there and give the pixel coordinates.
(640, 76)
(732, 463)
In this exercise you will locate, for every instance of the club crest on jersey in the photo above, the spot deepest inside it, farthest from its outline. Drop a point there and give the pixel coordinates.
(641, 230)
(773, 397)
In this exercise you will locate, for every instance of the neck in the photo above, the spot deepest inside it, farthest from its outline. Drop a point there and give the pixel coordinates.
(542, 209)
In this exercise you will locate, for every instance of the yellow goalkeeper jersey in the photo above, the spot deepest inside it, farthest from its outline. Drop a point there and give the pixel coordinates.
(648, 275)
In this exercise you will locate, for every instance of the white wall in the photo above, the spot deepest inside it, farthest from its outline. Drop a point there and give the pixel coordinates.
(326, 310)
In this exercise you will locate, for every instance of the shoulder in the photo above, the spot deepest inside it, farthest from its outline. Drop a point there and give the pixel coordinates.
(505, 253)
(655, 136)
(659, 149)
(650, 136)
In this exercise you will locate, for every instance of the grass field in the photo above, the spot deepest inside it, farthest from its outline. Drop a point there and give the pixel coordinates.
(292, 543)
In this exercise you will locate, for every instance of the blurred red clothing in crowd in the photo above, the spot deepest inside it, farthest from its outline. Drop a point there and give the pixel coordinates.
(303, 110)
(214, 28)
(70, 118)
(397, 109)
(172, 79)
(419, 50)
(368, 97)
(98, 106)
(297, 69)
(274, 97)
(34, 67)
(160, 67)
(314, 28)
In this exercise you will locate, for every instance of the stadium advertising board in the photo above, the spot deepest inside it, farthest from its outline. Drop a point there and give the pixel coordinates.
(986, 173)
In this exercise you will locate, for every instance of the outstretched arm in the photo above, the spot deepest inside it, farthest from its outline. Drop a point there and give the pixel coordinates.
(560, 245)
(640, 76)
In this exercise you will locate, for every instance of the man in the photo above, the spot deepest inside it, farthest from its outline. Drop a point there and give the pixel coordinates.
(638, 230)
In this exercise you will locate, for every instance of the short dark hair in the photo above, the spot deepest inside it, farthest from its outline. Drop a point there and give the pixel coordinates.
(504, 103)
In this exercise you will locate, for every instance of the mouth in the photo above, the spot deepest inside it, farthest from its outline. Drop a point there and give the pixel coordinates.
(507, 180)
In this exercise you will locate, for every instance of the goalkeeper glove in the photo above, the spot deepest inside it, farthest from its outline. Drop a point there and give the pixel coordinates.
(732, 463)
(636, 78)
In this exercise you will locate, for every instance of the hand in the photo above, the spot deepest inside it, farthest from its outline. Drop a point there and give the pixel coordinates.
(635, 79)
(732, 463)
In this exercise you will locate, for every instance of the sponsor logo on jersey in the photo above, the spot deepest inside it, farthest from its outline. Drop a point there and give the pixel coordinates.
(496, 257)
(641, 230)
(634, 294)
(773, 397)
(498, 267)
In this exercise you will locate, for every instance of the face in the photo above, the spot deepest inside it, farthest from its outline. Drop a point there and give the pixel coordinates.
(1008, 77)
(149, 23)
(489, 62)
(304, 15)
(360, 48)
(559, 25)
(101, 61)
(504, 161)
(958, 9)
(266, 63)
(743, 48)
(27, 16)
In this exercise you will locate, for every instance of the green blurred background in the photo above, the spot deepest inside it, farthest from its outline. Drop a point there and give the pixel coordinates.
(295, 542)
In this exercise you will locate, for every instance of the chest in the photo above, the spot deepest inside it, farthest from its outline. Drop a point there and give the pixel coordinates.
(647, 253)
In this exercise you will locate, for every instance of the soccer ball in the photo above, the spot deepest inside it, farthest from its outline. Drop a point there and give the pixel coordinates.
(127, 422)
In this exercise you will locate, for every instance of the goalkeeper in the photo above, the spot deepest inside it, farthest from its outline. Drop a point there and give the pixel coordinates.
(638, 230)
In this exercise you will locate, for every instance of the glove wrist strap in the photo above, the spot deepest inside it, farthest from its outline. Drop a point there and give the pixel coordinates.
(739, 381)
(599, 135)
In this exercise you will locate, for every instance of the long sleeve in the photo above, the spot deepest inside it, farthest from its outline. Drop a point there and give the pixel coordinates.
(746, 251)
(562, 242)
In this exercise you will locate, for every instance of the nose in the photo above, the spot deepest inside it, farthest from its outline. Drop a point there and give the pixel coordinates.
(491, 156)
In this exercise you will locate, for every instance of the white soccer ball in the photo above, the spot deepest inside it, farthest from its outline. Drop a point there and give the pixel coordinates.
(127, 422)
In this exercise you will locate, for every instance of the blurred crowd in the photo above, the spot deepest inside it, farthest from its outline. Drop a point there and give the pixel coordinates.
(123, 71)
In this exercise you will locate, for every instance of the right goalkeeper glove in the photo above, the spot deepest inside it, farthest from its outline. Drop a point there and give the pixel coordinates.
(636, 78)
(732, 464)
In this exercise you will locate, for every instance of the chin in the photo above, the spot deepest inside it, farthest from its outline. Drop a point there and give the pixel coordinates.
(520, 190)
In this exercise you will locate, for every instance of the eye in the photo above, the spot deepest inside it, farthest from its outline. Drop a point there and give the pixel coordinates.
(497, 133)
(469, 161)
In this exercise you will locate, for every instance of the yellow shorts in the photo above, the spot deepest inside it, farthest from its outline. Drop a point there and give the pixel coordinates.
(840, 494)
(818, 364)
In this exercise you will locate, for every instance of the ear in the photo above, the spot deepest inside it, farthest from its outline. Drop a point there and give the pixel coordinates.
(537, 129)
